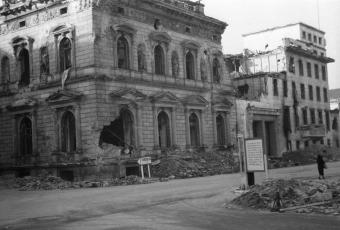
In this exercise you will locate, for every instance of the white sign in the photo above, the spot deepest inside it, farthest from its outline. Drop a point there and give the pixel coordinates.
(144, 161)
(254, 155)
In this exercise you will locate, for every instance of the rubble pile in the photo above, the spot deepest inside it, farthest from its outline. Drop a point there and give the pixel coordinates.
(298, 195)
(305, 156)
(41, 183)
(195, 164)
(53, 183)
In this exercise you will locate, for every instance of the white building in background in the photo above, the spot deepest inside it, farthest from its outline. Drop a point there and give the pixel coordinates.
(286, 67)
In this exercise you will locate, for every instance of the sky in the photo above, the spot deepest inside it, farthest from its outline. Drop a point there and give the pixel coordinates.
(245, 16)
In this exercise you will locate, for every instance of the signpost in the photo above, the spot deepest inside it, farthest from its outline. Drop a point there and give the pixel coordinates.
(255, 159)
(144, 161)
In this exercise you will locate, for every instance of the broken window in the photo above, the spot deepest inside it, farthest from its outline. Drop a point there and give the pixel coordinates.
(335, 125)
(325, 94)
(44, 61)
(309, 69)
(304, 116)
(318, 94)
(141, 58)
(323, 72)
(285, 88)
(328, 125)
(242, 90)
(221, 130)
(159, 60)
(320, 116)
(291, 67)
(303, 94)
(216, 71)
(190, 66)
(25, 137)
(5, 70)
(194, 130)
(24, 65)
(275, 88)
(312, 115)
(316, 70)
(65, 49)
(286, 120)
(311, 93)
(120, 132)
(164, 130)
(301, 70)
(123, 53)
(68, 132)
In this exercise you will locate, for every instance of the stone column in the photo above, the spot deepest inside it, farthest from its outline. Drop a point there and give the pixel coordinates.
(214, 126)
(202, 132)
(264, 136)
(78, 127)
(34, 134)
(139, 127)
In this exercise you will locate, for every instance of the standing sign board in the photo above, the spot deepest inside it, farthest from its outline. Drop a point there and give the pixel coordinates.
(254, 155)
(144, 161)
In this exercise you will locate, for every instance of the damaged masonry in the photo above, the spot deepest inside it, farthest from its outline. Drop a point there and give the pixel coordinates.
(91, 96)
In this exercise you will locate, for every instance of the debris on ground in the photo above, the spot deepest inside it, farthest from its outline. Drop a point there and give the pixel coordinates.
(305, 156)
(49, 182)
(194, 164)
(297, 195)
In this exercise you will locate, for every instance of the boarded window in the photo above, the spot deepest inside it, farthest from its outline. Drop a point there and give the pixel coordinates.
(123, 53)
(190, 66)
(65, 49)
(221, 130)
(164, 130)
(159, 60)
(44, 61)
(68, 132)
(5, 70)
(194, 130)
(25, 137)
(24, 65)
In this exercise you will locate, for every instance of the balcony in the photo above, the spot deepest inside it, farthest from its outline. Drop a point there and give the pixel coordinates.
(313, 131)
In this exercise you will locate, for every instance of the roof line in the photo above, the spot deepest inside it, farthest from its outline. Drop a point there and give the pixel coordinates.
(280, 27)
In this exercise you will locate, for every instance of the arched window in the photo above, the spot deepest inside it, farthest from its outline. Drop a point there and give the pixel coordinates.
(68, 132)
(123, 53)
(44, 61)
(216, 71)
(194, 130)
(141, 58)
(25, 137)
(128, 127)
(190, 66)
(159, 60)
(65, 56)
(24, 65)
(220, 124)
(164, 130)
(5, 69)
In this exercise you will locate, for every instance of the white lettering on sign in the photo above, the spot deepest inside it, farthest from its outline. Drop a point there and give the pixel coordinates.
(254, 155)
(144, 161)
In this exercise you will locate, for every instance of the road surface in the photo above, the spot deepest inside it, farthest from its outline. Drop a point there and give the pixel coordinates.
(196, 203)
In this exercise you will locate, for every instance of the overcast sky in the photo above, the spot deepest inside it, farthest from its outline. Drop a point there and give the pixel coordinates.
(244, 16)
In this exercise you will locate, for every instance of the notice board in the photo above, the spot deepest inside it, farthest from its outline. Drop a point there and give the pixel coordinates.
(254, 155)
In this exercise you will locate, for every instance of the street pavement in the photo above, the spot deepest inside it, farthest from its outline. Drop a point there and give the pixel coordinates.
(197, 203)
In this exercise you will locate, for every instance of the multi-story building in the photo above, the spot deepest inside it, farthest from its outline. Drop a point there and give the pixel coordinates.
(81, 79)
(334, 95)
(290, 64)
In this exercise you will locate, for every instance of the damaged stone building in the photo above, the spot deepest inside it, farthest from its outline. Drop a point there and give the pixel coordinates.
(83, 79)
(282, 87)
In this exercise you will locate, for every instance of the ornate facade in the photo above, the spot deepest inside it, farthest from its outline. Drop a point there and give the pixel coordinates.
(82, 79)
